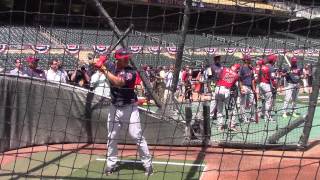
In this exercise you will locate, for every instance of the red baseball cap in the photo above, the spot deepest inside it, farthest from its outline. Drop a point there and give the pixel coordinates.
(294, 60)
(122, 54)
(272, 58)
(246, 58)
(32, 59)
(260, 62)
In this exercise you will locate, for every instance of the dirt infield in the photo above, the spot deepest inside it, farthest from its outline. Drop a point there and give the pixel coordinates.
(221, 163)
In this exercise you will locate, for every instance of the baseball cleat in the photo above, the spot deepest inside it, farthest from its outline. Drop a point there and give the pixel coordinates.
(148, 171)
(234, 128)
(284, 115)
(295, 115)
(111, 170)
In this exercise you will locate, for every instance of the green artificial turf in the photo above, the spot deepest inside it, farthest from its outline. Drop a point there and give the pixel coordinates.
(57, 165)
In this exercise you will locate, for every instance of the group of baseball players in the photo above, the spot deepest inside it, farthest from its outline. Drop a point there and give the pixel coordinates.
(238, 88)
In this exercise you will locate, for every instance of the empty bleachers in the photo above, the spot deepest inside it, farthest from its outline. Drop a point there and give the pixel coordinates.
(19, 35)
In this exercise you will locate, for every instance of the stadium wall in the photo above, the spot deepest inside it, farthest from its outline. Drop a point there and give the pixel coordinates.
(35, 112)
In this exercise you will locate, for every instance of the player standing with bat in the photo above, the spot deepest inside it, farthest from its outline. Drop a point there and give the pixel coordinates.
(123, 111)
(293, 78)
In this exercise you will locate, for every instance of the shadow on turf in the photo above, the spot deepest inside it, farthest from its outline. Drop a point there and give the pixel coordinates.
(131, 166)
(23, 175)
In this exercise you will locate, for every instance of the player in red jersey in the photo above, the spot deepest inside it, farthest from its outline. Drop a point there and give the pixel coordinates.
(256, 72)
(267, 86)
(227, 78)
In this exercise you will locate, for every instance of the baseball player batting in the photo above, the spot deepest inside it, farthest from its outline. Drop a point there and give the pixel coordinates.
(293, 79)
(123, 111)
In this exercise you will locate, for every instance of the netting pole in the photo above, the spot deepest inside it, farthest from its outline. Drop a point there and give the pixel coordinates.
(180, 48)
(188, 118)
(117, 32)
(284, 131)
(206, 123)
(313, 99)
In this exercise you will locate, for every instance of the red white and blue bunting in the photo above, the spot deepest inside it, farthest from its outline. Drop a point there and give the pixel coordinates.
(3, 47)
(310, 52)
(297, 52)
(316, 52)
(101, 49)
(211, 51)
(172, 50)
(280, 51)
(246, 51)
(154, 49)
(41, 49)
(230, 50)
(72, 48)
(135, 49)
(267, 51)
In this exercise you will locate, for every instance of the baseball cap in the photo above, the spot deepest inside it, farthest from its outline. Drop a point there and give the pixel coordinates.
(272, 58)
(260, 62)
(246, 58)
(294, 60)
(217, 57)
(122, 54)
(32, 59)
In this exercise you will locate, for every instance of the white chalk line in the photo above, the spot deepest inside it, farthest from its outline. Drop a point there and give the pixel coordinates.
(158, 162)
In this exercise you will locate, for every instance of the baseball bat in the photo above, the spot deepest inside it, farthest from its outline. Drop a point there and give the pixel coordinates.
(102, 60)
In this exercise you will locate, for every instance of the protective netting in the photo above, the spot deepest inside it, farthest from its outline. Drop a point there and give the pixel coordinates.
(209, 76)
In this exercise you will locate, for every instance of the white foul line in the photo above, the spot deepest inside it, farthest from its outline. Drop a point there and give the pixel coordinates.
(157, 162)
(203, 172)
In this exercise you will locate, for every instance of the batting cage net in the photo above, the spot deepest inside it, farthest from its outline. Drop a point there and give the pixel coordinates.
(159, 89)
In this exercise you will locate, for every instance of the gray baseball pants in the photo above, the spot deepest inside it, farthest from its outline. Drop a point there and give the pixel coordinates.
(126, 118)
(246, 103)
(222, 97)
(291, 96)
(266, 93)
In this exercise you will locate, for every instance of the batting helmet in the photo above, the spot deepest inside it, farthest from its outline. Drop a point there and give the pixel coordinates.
(260, 62)
(293, 60)
(235, 67)
(272, 58)
(122, 54)
(246, 58)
